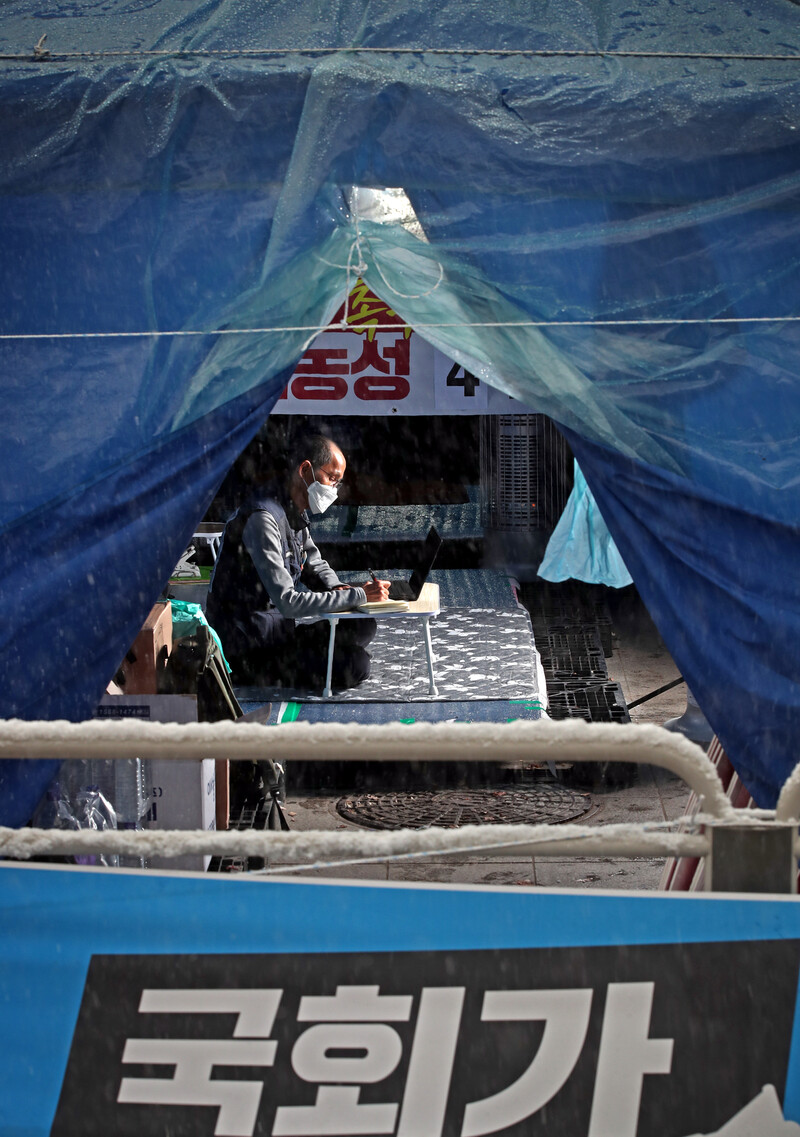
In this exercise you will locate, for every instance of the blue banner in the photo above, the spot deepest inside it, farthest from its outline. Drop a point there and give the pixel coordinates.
(152, 1003)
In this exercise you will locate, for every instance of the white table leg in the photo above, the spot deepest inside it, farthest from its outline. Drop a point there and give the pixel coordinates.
(333, 621)
(432, 688)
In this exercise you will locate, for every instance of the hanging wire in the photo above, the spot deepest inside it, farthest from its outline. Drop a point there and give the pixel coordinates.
(316, 328)
(45, 57)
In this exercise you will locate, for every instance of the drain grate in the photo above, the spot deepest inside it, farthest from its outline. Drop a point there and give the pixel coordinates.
(450, 809)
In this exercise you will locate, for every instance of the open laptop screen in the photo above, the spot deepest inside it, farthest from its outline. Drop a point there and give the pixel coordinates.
(433, 543)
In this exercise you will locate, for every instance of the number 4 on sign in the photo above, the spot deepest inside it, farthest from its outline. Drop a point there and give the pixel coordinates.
(467, 380)
(458, 389)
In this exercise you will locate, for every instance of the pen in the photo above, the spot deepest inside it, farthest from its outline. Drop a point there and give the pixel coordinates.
(372, 574)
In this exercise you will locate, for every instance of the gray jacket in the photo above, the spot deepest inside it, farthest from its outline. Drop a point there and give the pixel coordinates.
(274, 563)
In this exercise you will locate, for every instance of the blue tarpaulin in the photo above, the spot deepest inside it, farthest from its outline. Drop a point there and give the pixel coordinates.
(609, 195)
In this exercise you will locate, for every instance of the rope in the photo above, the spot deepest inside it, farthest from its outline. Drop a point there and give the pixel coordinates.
(416, 295)
(362, 266)
(359, 268)
(42, 56)
(316, 328)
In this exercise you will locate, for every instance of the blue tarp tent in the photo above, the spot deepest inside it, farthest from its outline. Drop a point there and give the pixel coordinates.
(610, 195)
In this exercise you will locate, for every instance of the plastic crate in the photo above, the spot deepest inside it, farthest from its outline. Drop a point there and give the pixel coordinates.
(568, 607)
(526, 472)
(594, 702)
(570, 653)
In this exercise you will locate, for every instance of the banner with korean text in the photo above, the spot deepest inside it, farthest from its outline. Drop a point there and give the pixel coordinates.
(147, 1004)
(379, 366)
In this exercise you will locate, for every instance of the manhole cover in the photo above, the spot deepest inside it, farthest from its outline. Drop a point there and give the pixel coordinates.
(449, 809)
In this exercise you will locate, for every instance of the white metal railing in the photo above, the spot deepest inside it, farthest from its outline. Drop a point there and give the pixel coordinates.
(302, 848)
(504, 743)
(788, 807)
(787, 811)
(545, 740)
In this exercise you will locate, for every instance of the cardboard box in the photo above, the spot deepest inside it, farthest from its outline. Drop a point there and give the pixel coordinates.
(148, 654)
(181, 795)
(152, 708)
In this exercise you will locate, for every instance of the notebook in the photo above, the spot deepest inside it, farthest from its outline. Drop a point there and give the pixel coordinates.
(410, 589)
(384, 606)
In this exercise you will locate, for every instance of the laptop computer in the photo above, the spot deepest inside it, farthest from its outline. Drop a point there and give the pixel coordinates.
(410, 589)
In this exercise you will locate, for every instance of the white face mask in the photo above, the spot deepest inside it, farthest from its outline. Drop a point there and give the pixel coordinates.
(320, 497)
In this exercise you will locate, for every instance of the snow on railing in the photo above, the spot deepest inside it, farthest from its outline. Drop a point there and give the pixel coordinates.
(626, 840)
(788, 807)
(570, 741)
(460, 742)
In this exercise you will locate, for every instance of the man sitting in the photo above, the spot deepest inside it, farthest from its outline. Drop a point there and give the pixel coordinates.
(254, 602)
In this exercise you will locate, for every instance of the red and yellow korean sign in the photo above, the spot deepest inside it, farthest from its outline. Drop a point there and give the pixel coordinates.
(380, 366)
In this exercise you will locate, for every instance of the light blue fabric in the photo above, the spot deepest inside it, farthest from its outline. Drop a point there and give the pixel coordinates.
(581, 547)
(175, 201)
(187, 618)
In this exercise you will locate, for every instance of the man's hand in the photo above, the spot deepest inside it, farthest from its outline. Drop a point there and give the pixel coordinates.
(376, 590)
